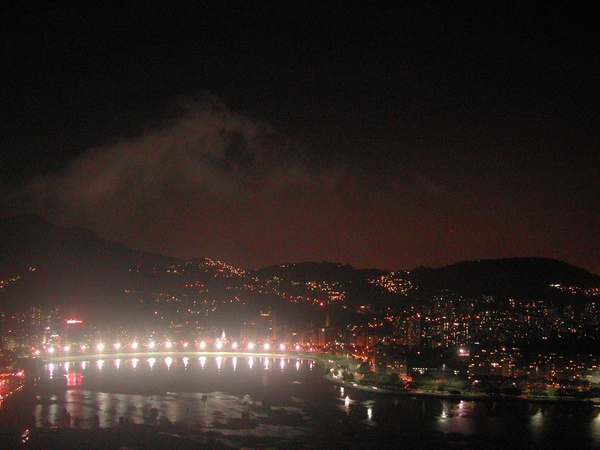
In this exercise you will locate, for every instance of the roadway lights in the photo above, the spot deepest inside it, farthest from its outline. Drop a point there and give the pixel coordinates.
(151, 344)
(250, 346)
(117, 346)
(83, 347)
(297, 348)
(134, 345)
(51, 350)
(281, 347)
(66, 348)
(99, 347)
(219, 345)
(168, 344)
(266, 347)
(234, 345)
(202, 345)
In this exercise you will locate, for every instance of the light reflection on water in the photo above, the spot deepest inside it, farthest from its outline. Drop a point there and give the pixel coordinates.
(130, 388)
(92, 389)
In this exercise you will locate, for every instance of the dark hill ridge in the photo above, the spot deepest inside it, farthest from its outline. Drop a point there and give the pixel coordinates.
(509, 277)
(67, 266)
(319, 271)
(28, 240)
(75, 265)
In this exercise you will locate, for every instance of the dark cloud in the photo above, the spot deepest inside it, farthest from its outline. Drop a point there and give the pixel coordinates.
(207, 149)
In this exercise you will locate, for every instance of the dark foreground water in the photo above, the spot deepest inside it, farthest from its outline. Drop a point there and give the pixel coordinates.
(284, 403)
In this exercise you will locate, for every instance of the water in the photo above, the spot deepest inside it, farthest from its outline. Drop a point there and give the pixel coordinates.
(288, 401)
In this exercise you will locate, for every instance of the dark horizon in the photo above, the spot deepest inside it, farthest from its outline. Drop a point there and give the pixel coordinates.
(383, 138)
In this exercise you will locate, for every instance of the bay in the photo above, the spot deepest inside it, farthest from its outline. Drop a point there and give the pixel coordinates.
(286, 402)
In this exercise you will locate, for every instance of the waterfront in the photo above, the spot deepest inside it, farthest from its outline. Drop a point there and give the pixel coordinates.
(281, 401)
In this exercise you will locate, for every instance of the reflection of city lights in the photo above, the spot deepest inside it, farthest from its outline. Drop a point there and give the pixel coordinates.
(100, 363)
(151, 361)
(282, 363)
(219, 360)
(151, 344)
(100, 347)
(234, 361)
(297, 365)
(370, 413)
(250, 362)
(186, 360)
(202, 361)
(134, 362)
(118, 363)
(202, 345)
(67, 365)
(168, 362)
(266, 363)
(250, 346)
(83, 365)
(134, 345)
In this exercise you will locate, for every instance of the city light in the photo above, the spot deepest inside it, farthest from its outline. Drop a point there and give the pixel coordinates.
(151, 344)
(100, 347)
(117, 346)
(234, 345)
(168, 344)
(250, 346)
(266, 347)
(202, 345)
(66, 348)
(134, 345)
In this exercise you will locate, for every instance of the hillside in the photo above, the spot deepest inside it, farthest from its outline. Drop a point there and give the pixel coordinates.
(73, 268)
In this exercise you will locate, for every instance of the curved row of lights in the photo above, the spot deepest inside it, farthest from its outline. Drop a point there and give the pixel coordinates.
(100, 347)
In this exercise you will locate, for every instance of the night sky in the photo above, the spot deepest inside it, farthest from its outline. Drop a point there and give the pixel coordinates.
(267, 134)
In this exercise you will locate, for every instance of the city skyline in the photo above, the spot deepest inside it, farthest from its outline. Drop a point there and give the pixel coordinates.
(388, 138)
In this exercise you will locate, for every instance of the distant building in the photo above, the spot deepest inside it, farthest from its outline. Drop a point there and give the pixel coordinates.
(390, 358)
